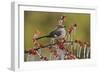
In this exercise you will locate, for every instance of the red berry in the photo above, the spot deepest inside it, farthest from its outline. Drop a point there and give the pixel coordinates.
(45, 58)
(76, 41)
(32, 51)
(70, 30)
(88, 45)
(75, 25)
(41, 57)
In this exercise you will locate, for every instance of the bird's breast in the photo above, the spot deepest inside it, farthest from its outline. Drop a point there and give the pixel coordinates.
(63, 33)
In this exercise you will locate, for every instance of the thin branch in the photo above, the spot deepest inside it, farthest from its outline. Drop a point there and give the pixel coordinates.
(48, 45)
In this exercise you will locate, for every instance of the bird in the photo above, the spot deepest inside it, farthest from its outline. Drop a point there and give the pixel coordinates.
(59, 31)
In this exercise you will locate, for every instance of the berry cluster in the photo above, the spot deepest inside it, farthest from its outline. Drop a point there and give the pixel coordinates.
(60, 49)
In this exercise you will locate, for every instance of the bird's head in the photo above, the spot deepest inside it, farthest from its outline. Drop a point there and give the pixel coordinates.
(61, 20)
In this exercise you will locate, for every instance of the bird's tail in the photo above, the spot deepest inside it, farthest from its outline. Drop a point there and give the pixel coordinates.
(42, 37)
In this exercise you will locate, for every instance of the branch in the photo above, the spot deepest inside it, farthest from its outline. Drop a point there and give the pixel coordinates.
(48, 45)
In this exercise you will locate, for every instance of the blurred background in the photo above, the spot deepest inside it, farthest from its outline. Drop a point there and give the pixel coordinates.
(45, 22)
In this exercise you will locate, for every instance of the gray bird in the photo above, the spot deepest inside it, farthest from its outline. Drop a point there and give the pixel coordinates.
(58, 33)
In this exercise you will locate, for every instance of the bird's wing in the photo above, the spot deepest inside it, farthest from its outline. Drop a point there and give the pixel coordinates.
(55, 33)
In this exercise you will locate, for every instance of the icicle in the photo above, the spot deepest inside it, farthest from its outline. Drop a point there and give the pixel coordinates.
(84, 52)
(78, 48)
(79, 54)
(88, 52)
(50, 56)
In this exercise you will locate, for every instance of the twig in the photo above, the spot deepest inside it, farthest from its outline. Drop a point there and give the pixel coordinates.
(48, 45)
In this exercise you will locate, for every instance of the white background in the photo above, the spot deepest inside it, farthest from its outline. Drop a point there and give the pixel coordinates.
(5, 36)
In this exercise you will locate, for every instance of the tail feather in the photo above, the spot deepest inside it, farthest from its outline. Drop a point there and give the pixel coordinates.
(42, 37)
